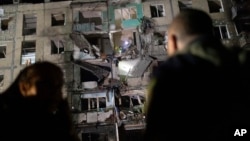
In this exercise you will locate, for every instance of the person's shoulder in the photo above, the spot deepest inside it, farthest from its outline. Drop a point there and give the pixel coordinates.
(171, 65)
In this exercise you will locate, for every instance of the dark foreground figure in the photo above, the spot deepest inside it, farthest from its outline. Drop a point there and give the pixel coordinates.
(201, 92)
(33, 107)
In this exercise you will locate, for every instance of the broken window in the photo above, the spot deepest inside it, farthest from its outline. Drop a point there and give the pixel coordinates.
(157, 10)
(129, 13)
(28, 52)
(93, 103)
(221, 32)
(184, 4)
(29, 24)
(90, 20)
(57, 19)
(126, 13)
(4, 24)
(215, 6)
(126, 101)
(2, 52)
(57, 47)
(159, 38)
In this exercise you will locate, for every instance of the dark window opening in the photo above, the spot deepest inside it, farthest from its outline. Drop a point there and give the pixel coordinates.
(58, 19)
(135, 100)
(184, 4)
(57, 47)
(2, 52)
(84, 17)
(87, 76)
(29, 24)
(224, 34)
(221, 32)
(4, 24)
(28, 52)
(84, 104)
(125, 101)
(157, 10)
(102, 102)
(215, 6)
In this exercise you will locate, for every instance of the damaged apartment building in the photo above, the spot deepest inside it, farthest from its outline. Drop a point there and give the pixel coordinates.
(111, 88)
(107, 50)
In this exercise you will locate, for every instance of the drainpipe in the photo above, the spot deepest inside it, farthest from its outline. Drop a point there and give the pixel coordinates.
(14, 48)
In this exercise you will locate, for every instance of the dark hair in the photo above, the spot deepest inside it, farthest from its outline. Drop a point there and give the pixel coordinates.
(195, 21)
(48, 73)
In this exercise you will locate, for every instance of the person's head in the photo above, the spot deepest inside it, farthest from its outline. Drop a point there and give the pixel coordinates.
(42, 81)
(186, 26)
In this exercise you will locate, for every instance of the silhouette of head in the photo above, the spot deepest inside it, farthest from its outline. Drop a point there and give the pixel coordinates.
(187, 26)
(42, 81)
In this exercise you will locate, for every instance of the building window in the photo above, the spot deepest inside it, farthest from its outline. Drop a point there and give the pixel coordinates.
(129, 13)
(93, 103)
(2, 52)
(28, 52)
(157, 10)
(215, 6)
(4, 24)
(57, 19)
(57, 47)
(29, 24)
(126, 13)
(221, 32)
(1, 80)
(184, 4)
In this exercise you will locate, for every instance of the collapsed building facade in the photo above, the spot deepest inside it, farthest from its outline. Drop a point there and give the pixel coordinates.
(107, 50)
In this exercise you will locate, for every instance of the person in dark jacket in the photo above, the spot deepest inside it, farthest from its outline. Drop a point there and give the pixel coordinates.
(198, 93)
(33, 107)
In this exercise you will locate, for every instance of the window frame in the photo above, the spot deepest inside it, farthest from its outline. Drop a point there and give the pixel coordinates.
(123, 10)
(59, 45)
(3, 51)
(221, 5)
(156, 6)
(93, 103)
(221, 33)
(31, 51)
(31, 19)
(58, 22)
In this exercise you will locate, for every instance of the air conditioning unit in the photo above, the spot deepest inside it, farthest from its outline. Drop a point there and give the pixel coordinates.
(1, 12)
(16, 1)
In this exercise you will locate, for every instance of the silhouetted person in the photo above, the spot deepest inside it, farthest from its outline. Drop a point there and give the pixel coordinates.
(33, 107)
(198, 92)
